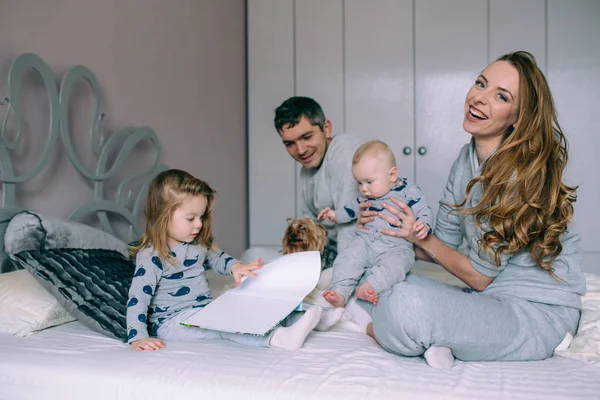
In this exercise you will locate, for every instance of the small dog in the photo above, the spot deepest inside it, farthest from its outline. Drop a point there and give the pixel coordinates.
(303, 234)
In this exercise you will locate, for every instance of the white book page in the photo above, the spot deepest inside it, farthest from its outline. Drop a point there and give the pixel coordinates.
(261, 302)
(286, 277)
(242, 314)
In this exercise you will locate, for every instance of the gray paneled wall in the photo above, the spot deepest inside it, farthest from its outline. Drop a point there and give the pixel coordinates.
(399, 71)
(573, 62)
(271, 78)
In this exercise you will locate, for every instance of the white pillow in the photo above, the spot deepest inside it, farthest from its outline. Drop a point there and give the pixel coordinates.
(26, 307)
(586, 344)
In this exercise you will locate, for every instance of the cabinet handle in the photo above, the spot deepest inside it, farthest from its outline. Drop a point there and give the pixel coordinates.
(407, 150)
(422, 150)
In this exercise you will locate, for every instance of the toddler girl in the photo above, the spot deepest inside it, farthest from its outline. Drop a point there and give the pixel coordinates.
(170, 283)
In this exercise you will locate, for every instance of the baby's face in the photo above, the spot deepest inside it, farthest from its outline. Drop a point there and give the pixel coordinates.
(374, 176)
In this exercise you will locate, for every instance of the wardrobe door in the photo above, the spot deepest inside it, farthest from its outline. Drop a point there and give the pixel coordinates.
(319, 60)
(271, 176)
(378, 74)
(518, 25)
(451, 50)
(574, 76)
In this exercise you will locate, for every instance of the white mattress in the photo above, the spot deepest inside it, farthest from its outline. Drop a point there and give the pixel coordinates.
(70, 361)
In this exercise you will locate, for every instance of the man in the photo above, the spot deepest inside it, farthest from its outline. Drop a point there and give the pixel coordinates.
(326, 176)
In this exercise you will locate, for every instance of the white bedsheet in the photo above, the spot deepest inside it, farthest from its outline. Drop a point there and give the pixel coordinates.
(70, 361)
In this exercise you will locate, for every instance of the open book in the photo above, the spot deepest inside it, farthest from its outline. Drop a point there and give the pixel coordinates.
(261, 302)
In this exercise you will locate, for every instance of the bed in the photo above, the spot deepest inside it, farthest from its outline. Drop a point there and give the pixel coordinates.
(58, 352)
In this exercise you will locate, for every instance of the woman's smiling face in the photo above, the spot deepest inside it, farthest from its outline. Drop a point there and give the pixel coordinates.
(492, 104)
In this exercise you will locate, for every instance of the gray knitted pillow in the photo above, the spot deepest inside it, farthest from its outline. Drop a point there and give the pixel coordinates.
(91, 284)
(32, 231)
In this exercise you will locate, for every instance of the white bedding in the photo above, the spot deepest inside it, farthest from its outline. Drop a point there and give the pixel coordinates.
(70, 361)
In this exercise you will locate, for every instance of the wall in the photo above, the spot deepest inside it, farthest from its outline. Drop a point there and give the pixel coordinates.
(178, 67)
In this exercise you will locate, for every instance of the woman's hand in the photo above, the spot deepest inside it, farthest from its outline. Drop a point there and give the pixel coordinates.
(240, 270)
(365, 215)
(148, 344)
(403, 218)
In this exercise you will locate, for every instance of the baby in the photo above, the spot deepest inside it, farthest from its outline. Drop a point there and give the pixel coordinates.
(383, 260)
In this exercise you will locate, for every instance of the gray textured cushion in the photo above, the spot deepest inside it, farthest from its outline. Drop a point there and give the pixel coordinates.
(86, 269)
(91, 284)
(32, 231)
(6, 264)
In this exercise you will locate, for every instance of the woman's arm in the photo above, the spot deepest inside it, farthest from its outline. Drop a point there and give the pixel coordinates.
(431, 248)
(422, 255)
(453, 261)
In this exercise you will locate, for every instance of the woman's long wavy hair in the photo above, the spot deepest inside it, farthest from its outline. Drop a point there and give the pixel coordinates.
(525, 202)
(165, 194)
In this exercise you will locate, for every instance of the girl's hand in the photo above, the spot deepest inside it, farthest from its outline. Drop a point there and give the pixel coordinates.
(403, 218)
(365, 216)
(148, 344)
(240, 270)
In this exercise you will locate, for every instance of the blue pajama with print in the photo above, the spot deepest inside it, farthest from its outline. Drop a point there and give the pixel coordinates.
(379, 259)
(165, 292)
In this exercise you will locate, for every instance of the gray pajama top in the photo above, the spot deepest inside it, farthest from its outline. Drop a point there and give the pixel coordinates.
(517, 274)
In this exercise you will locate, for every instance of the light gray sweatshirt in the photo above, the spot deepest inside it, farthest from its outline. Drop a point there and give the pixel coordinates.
(518, 274)
(332, 185)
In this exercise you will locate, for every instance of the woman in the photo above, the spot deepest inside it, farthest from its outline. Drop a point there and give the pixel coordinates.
(506, 203)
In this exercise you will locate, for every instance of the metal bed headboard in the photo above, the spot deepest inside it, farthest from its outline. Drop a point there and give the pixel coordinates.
(122, 143)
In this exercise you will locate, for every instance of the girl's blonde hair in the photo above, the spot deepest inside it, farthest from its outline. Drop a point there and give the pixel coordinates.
(524, 201)
(165, 194)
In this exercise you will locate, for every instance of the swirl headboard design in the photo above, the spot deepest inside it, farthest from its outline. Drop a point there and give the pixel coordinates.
(110, 153)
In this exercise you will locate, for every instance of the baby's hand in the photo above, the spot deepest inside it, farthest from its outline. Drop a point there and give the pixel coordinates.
(366, 292)
(240, 270)
(421, 230)
(327, 214)
(334, 298)
(148, 344)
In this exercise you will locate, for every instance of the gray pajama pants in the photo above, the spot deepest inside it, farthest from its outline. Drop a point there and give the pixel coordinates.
(387, 261)
(419, 313)
(173, 330)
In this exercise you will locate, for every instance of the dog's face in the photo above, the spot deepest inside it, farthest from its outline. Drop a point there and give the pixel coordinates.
(304, 234)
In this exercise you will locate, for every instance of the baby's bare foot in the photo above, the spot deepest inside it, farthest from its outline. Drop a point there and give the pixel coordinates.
(334, 298)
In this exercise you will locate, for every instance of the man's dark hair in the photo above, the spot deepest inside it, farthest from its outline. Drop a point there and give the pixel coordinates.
(293, 109)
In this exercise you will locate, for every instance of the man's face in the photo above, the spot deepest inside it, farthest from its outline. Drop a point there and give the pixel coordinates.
(306, 143)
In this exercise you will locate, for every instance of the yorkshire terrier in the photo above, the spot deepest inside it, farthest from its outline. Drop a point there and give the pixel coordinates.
(304, 234)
